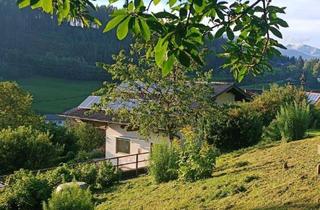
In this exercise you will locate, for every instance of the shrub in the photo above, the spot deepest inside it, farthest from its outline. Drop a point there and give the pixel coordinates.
(164, 162)
(231, 128)
(26, 192)
(292, 121)
(269, 102)
(58, 176)
(107, 175)
(26, 147)
(197, 159)
(70, 198)
(296, 119)
(86, 173)
(88, 137)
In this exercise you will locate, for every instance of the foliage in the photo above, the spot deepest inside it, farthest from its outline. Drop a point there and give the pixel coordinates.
(107, 175)
(26, 192)
(269, 102)
(291, 122)
(70, 198)
(15, 106)
(164, 161)
(197, 159)
(58, 175)
(151, 102)
(180, 32)
(26, 147)
(231, 128)
(87, 136)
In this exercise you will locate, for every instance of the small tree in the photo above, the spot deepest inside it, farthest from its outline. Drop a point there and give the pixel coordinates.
(26, 147)
(87, 136)
(151, 102)
(70, 198)
(16, 107)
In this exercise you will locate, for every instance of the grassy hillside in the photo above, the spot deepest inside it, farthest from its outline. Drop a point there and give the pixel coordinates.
(57, 95)
(250, 179)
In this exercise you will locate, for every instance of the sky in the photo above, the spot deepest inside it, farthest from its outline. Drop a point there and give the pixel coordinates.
(303, 17)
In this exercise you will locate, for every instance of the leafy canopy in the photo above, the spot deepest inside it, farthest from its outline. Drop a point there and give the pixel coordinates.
(180, 30)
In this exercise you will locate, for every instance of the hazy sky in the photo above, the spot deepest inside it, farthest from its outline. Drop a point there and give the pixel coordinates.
(303, 17)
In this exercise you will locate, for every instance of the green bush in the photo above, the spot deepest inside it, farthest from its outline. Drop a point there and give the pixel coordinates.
(88, 137)
(197, 159)
(231, 128)
(25, 147)
(107, 174)
(269, 102)
(26, 192)
(164, 162)
(58, 176)
(291, 122)
(70, 198)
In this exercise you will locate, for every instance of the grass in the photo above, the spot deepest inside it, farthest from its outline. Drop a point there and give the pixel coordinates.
(253, 178)
(57, 95)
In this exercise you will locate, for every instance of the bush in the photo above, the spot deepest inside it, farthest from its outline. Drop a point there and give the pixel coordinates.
(88, 137)
(291, 122)
(164, 162)
(70, 198)
(107, 175)
(197, 159)
(27, 148)
(231, 128)
(58, 176)
(26, 192)
(269, 102)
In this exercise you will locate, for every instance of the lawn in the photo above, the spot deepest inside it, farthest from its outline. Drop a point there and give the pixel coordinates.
(254, 178)
(57, 95)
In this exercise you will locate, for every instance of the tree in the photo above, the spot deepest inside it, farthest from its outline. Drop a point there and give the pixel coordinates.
(151, 102)
(15, 106)
(180, 30)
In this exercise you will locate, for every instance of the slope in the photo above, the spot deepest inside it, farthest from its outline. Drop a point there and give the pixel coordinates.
(254, 178)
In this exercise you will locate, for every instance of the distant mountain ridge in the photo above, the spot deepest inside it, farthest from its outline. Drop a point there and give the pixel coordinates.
(305, 51)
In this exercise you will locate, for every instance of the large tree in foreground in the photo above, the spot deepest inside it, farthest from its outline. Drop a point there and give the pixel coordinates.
(180, 30)
(140, 95)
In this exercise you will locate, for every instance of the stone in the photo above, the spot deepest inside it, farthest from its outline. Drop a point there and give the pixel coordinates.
(82, 185)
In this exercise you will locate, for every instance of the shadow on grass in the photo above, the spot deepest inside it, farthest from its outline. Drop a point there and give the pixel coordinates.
(298, 205)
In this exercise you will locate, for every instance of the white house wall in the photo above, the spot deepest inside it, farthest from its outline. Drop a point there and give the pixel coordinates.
(137, 143)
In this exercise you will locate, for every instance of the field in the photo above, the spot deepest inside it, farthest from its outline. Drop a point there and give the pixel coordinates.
(255, 178)
(57, 95)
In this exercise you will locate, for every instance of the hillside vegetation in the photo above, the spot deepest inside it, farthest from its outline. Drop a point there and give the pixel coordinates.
(53, 95)
(254, 178)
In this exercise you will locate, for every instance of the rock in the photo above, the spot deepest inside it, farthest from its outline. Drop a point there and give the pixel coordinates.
(82, 185)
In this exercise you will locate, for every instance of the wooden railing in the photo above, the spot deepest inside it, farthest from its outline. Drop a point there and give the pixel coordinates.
(132, 163)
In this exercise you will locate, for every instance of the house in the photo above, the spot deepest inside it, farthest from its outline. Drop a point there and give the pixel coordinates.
(120, 140)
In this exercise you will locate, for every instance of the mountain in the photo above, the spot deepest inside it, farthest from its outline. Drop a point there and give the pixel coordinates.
(305, 51)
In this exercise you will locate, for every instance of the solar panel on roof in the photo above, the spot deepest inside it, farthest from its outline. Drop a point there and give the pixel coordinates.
(313, 97)
(89, 102)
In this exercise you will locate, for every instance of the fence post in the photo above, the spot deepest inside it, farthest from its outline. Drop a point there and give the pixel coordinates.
(117, 163)
(137, 163)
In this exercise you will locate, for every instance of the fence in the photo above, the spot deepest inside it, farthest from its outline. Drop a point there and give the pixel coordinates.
(126, 163)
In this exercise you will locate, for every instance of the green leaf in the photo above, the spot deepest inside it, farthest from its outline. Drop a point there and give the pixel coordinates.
(23, 3)
(172, 2)
(183, 12)
(230, 34)
(282, 23)
(145, 30)
(184, 59)
(156, 2)
(114, 22)
(123, 29)
(47, 6)
(136, 26)
(160, 52)
(276, 32)
(219, 33)
(168, 65)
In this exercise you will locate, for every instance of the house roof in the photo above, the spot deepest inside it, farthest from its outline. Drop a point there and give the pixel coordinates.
(313, 97)
(83, 112)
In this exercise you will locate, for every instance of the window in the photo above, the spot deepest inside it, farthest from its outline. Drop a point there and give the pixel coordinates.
(123, 145)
